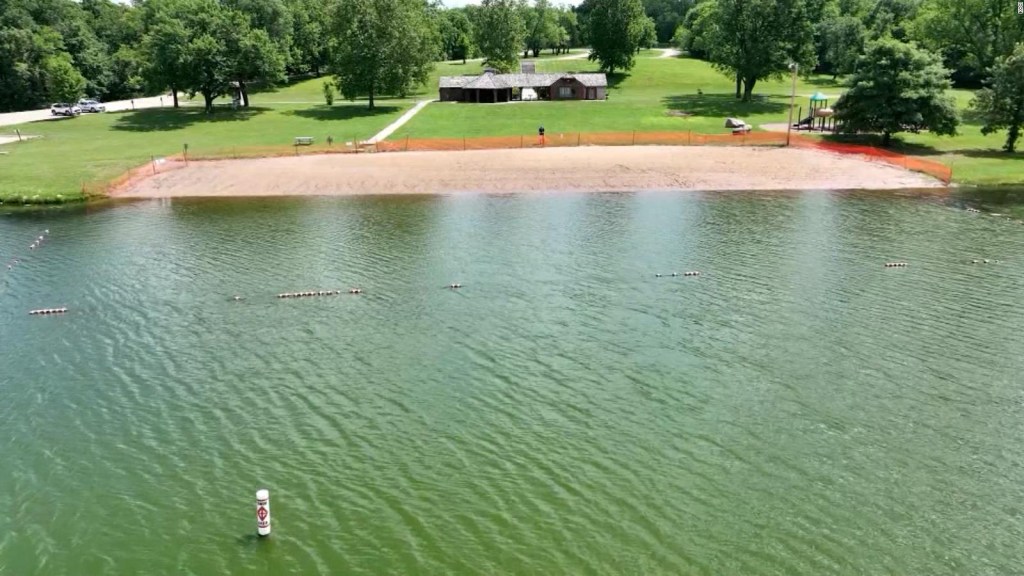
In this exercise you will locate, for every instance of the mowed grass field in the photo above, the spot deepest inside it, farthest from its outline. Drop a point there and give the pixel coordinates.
(658, 89)
(658, 94)
(96, 148)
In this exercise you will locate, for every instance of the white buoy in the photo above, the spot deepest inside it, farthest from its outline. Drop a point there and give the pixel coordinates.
(263, 512)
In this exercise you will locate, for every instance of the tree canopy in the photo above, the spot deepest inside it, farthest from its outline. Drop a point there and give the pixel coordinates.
(898, 88)
(382, 46)
(752, 40)
(456, 35)
(500, 33)
(616, 30)
(1001, 105)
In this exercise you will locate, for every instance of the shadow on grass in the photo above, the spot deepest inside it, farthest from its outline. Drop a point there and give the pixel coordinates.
(824, 82)
(615, 79)
(343, 112)
(724, 105)
(163, 119)
(915, 149)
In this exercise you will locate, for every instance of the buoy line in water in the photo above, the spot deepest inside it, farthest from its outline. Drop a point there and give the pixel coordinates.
(47, 311)
(308, 293)
(452, 286)
(675, 274)
(36, 243)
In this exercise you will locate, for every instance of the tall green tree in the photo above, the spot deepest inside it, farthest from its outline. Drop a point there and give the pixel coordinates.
(203, 46)
(752, 40)
(254, 56)
(842, 41)
(456, 35)
(898, 88)
(648, 34)
(696, 30)
(1001, 105)
(500, 33)
(890, 18)
(309, 36)
(569, 36)
(667, 16)
(382, 46)
(541, 23)
(164, 49)
(971, 34)
(64, 82)
(616, 29)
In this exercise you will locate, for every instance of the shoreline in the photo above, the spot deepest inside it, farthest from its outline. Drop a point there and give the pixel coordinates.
(589, 168)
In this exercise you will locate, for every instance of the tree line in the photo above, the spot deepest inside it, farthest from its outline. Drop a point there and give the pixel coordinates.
(900, 55)
(60, 50)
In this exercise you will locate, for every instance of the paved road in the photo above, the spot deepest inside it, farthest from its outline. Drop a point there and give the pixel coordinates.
(12, 118)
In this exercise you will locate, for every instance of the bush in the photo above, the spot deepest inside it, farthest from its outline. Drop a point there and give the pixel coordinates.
(329, 92)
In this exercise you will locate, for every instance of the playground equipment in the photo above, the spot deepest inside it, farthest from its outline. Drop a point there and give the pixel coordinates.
(818, 113)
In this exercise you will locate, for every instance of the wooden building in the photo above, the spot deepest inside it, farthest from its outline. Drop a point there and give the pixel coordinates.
(492, 87)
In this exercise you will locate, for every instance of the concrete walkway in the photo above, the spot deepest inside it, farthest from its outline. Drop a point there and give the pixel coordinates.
(398, 123)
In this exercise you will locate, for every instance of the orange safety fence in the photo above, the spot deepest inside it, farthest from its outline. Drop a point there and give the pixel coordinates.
(932, 168)
(270, 151)
(570, 139)
(551, 140)
(150, 168)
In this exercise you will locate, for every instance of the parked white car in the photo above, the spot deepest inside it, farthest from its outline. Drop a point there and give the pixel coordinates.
(91, 106)
(64, 109)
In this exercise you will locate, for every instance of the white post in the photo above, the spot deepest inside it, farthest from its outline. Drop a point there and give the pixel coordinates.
(792, 101)
(263, 512)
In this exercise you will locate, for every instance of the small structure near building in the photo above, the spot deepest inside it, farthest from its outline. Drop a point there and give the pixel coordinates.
(493, 87)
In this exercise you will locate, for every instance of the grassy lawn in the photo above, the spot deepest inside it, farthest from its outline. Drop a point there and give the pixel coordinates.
(96, 148)
(643, 100)
(658, 87)
(659, 94)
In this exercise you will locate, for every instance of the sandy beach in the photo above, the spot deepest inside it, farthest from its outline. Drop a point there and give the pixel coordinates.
(602, 169)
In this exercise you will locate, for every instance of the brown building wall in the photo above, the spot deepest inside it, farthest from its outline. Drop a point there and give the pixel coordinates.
(577, 89)
(451, 94)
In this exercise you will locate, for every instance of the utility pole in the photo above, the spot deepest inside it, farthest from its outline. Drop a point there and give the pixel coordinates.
(792, 101)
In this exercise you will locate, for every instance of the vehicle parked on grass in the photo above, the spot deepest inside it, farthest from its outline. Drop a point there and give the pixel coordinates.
(65, 109)
(91, 106)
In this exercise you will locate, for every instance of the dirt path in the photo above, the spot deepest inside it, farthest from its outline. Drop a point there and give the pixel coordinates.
(577, 56)
(669, 53)
(608, 169)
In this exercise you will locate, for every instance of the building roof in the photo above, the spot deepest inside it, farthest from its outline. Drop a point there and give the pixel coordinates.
(490, 81)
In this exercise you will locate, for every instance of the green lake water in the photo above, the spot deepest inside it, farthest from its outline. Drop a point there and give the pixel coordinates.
(797, 409)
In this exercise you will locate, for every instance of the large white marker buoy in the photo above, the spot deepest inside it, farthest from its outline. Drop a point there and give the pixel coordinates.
(263, 512)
